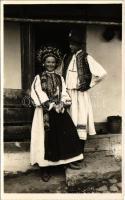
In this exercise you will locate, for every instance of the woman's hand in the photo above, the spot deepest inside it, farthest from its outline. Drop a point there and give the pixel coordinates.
(59, 108)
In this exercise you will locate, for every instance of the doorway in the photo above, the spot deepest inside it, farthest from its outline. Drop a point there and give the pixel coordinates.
(51, 34)
(35, 35)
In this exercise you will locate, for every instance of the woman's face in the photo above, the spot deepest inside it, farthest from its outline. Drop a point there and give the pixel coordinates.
(50, 63)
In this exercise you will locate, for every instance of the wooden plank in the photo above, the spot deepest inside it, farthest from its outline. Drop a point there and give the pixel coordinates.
(94, 144)
(12, 147)
(17, 115)
(17, 133)
(13, 97)
(107, 135)
(21, 132)
(17, 98)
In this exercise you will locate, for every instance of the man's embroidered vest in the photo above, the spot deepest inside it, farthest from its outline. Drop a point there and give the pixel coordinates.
(83, 70)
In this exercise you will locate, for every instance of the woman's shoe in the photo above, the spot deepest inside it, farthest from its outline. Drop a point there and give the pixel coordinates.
(45, 178)
(45, 175)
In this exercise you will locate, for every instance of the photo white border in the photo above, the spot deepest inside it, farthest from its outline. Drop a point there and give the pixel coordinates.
(58, 196)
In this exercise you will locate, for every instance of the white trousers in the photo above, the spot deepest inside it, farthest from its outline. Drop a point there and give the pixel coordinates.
(81, 113)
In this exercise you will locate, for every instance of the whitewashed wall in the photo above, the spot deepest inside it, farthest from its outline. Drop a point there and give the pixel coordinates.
(12, 56)
(106, 97)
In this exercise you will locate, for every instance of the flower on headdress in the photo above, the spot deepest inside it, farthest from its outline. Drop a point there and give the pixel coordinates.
(47, 51)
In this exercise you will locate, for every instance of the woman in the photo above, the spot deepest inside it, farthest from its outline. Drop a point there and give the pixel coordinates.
(54, 138)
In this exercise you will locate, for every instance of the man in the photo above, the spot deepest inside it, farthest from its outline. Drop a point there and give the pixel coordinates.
(81, 72)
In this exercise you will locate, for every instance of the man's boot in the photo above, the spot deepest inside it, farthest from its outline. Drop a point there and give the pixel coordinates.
(78, 164)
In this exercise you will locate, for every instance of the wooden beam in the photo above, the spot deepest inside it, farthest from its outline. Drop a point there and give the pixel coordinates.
(28, 20)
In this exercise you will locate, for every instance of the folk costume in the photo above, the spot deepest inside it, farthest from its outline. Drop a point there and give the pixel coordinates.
(54, 138)
(83, 72)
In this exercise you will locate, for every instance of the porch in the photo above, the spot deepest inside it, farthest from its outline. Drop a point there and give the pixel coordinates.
(100, 173)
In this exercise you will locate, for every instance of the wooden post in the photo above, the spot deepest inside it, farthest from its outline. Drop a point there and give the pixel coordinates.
(27, 55)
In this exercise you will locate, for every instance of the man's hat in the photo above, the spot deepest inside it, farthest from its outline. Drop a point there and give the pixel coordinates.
(76, 36)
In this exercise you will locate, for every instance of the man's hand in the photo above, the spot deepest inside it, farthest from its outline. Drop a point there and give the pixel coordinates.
(83, 87)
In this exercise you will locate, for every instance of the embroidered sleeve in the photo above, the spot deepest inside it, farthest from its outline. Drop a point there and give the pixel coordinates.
(65, 98)
(34, 96)
(37, 94)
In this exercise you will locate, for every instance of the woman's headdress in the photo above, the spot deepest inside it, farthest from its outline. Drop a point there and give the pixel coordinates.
(47, 51)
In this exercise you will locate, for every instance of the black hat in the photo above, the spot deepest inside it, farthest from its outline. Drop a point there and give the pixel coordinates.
(76, 36)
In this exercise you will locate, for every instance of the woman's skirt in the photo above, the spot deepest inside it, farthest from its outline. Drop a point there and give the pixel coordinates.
(61, 140)
(59, 145)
